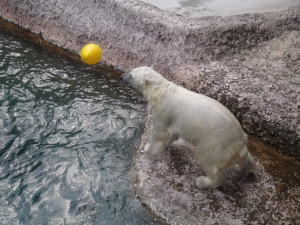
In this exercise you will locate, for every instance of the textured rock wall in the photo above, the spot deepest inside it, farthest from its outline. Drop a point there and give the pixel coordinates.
(248, 62)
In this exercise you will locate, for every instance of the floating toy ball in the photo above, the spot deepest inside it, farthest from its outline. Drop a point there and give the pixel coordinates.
(91, 54)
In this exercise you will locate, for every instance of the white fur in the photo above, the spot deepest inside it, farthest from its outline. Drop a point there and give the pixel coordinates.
(211, 128)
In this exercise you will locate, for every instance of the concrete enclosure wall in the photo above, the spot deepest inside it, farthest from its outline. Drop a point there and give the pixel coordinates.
(248, 62)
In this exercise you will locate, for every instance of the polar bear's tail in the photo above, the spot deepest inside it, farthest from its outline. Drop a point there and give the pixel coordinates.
(246, 161)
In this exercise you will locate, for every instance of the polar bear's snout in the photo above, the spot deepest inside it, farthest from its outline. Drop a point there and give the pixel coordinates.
(127, 78)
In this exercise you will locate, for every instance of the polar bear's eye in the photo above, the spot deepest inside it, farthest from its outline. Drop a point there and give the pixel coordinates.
(147, 80)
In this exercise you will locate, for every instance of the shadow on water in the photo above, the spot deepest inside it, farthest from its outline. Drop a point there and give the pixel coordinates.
(67, 139)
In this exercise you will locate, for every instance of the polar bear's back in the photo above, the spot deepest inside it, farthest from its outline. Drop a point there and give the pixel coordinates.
(199, 117)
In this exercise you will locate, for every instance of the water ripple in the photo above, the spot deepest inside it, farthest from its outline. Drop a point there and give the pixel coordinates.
(66, 141)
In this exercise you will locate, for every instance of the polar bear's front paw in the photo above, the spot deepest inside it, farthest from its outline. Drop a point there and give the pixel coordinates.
(153, 156)
(146, 147)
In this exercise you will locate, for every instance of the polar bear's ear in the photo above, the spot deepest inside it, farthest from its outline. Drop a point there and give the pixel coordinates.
(152, 66)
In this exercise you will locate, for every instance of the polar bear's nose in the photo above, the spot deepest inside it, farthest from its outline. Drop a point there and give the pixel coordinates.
(126, 77)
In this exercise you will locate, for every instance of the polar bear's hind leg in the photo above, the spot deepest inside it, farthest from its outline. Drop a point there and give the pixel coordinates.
(213, 179)
(211, 167)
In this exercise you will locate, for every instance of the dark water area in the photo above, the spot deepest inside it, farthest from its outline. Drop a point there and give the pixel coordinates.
(67, 140)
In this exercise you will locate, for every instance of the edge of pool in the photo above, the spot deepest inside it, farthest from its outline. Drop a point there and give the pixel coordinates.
(227, 58)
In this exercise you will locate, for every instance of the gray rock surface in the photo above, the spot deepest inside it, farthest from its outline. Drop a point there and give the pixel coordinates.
(167, 185)
(248, 62)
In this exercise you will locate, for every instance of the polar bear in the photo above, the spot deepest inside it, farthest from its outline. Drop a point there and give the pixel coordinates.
(215, 133)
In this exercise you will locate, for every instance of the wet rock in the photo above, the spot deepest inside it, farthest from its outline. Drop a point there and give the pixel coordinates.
(167, 186)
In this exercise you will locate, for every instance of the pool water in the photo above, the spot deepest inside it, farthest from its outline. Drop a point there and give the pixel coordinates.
(67, 140)
(199, 8)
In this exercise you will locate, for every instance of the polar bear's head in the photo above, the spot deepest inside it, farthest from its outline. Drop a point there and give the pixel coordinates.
(143, 79)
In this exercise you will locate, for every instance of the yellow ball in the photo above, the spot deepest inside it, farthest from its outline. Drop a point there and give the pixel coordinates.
(91, 54)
